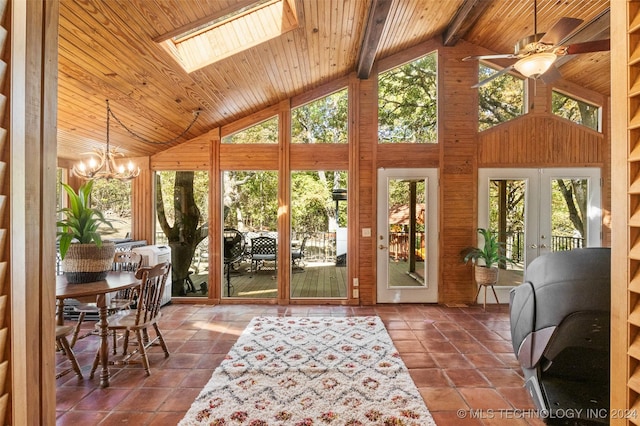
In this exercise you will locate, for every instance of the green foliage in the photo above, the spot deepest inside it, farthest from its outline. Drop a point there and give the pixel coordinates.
(321, 121)
(112, 195)
(491, 253)
(569, 207)
(500, 100)
(80, 223)
(264, 132)
(407, 102)
(514, 203)
(574, 110)
(251, 198)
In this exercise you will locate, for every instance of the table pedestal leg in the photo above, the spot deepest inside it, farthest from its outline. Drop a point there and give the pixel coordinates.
(104, 341)
(60, 312)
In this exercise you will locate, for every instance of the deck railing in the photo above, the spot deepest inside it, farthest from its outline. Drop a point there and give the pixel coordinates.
(515, 244)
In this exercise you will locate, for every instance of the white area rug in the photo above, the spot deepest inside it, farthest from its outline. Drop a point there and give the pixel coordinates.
(311, 371)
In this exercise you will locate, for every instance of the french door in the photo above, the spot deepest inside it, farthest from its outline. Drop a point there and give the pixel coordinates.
(538, 211)
(407, 237)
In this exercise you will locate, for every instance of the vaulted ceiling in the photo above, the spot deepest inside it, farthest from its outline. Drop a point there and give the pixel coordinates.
(113, 50)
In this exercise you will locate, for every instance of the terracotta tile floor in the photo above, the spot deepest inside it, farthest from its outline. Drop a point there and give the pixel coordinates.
(460, 359)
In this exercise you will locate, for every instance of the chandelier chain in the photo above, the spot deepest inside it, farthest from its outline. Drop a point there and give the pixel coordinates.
(143, 139)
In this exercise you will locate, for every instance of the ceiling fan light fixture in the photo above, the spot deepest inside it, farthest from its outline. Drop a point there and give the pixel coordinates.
(535, 65)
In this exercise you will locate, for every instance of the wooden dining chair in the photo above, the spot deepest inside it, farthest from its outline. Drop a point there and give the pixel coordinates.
(62, 331)
(135, 323)
(122, 261)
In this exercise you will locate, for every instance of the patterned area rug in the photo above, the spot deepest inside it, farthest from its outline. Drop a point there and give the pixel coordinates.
(311, 371)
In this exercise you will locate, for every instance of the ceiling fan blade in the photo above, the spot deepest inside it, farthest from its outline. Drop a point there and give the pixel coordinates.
(560, 30)
(552, 74)
(589, 46)
(497, 56)
(494, 76)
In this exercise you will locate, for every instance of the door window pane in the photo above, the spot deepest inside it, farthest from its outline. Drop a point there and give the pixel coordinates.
(507, 219)
(407, 233)
(568, 213)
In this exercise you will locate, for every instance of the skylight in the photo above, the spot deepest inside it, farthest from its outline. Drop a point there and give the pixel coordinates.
(231, 33)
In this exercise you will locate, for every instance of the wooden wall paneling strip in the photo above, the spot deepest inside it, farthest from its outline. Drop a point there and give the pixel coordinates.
(284, 201)
(215, 220)
(541, 141)
(408, 155)
(625, 205)
(192, 155)
(309, 157)
(366, 170)
(248, 157)
(353, 200)
(458, 174)
(143, 205)
(32, 59)
(5, 257)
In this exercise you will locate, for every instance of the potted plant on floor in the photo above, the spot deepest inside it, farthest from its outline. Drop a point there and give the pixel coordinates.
(85, 257)
(486, 258)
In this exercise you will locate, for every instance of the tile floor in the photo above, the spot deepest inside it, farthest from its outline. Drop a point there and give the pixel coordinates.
(460, 359)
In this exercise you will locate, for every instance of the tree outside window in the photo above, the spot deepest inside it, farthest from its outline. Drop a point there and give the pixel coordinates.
(407, 102)
(500, 100)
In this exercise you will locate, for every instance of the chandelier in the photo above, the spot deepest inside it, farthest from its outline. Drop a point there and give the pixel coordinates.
(105, 166)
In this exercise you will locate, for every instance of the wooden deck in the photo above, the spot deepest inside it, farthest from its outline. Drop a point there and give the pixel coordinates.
(314, 280)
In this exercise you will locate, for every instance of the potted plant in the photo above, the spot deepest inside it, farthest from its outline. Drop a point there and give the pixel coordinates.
(486, 258)
(85, 257)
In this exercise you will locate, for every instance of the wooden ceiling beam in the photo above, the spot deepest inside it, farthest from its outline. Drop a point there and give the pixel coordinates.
(378, 14)
(464, 19)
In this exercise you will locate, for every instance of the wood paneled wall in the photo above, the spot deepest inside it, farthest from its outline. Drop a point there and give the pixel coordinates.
(5, 217)
(625, 255)
(30, 99)
(537, 139)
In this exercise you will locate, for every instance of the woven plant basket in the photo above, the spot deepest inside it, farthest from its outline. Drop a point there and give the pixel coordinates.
(486, 276)
(85, 263)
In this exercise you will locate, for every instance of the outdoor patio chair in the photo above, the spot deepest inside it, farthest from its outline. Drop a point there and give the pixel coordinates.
(233, 252)
(139, 320)
(263, 249)
(122, 261)
(298, 254)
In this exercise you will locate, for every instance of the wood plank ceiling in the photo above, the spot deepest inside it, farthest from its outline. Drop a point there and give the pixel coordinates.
(110, 50)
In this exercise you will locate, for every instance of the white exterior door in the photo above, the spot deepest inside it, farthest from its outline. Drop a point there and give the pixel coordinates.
(407, 237)
(541, 211)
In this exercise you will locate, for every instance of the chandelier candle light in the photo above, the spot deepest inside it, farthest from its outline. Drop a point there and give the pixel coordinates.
(105, 167)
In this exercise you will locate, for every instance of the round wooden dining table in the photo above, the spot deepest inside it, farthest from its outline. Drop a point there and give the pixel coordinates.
(97, 290)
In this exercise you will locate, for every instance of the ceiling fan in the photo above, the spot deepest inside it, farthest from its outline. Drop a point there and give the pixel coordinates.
(537, 53)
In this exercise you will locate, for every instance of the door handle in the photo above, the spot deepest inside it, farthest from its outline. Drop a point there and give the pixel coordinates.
(533, 246)
(382, 247)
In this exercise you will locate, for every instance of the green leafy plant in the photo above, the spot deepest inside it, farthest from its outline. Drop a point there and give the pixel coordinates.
(81, 222)
(491, 253)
